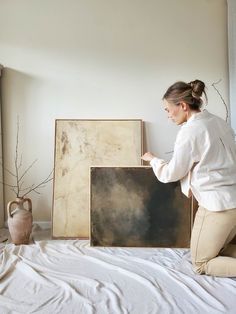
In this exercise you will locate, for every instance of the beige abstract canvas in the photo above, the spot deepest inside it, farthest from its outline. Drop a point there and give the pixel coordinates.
(80, 144)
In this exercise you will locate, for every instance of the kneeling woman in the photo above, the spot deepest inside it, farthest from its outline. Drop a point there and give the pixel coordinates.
(204, 159)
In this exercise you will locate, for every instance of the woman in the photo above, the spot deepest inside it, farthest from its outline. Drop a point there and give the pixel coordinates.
(204, 159)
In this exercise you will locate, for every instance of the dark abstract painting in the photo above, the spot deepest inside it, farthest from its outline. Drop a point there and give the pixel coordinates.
(130, 207)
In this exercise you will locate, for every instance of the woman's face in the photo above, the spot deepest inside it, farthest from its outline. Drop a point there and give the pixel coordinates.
(177, 113)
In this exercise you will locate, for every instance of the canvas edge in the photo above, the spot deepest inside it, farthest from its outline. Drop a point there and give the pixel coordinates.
(53, 190)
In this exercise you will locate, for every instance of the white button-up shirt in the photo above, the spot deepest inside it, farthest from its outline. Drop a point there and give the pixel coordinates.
(204, 159)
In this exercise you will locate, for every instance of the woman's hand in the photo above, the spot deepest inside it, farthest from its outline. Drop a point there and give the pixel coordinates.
(147, 156)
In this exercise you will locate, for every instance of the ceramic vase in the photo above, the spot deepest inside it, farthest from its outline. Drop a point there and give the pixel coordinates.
(20, 220)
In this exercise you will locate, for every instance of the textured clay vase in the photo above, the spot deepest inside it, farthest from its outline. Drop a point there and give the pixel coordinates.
(20, 220)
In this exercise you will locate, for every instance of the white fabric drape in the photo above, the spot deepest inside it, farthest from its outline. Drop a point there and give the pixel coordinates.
(70, 276)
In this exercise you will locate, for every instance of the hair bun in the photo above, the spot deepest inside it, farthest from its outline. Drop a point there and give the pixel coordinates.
(198, 87)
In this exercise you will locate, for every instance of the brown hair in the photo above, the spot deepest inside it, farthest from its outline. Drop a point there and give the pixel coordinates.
(190, 93)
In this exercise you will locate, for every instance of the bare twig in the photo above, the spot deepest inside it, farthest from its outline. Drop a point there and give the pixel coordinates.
(11, 186)
(16, 157)
(29, 187)
(7, 184)
(18, 188)
(34, 189)
(21, 185)
(226, 107)
(7, 170)
(20, 164)
(30, 166)
(35, 192)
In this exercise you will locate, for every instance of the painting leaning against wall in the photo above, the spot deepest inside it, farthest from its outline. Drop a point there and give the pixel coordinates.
(80, 144)
(130, 207)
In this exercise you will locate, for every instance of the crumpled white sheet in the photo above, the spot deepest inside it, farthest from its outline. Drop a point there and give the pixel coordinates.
(69, 276)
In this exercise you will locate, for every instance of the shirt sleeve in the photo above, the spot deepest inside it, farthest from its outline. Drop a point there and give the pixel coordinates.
(184, 157)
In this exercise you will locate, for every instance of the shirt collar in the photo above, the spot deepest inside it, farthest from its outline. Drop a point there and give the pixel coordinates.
(198, 115)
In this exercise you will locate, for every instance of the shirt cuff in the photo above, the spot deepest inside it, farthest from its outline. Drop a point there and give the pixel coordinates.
(154, 161)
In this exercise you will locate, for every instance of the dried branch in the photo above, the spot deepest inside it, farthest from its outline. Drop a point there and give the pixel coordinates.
(13, 190)
(7, 170)
(7, 184)
(30, 166)
(18, 188)
(226, 107)
(16, 157)
(34, 189)
(21, 185)
(20, 161)
(11, 186)
(28, 188)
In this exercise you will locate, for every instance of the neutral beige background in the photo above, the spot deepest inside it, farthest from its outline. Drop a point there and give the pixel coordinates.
(232, 59)
(102, 59)
(1, 166)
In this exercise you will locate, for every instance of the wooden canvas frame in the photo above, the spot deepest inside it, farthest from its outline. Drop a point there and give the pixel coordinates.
(79, 144)
(126, 204)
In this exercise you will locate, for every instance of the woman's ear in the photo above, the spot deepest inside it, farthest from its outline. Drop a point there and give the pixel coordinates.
(184, 106)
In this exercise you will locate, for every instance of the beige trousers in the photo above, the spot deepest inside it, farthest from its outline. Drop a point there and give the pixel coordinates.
(211, 252)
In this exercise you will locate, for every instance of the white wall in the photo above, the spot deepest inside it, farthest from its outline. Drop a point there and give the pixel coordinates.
(102, 59)
(232, 59)
(1, 165)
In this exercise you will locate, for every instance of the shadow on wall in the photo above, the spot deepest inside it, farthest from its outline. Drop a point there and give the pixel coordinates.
(18, 100)
(19, 91)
